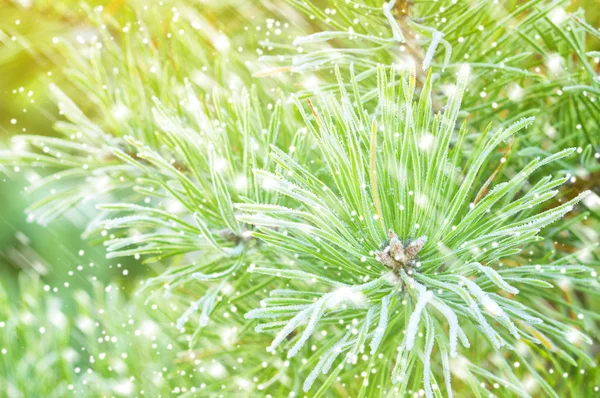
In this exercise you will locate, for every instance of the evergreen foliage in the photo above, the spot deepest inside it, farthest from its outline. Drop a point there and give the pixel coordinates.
(349, 198)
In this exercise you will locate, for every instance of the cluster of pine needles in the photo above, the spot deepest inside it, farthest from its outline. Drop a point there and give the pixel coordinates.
(321, 198)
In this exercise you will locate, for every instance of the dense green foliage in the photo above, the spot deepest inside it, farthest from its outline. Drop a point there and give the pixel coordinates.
(332, 198)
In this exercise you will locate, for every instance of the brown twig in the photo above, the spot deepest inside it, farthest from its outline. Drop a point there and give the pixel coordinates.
(485, 186)
(312, 109)
(374, 173)
(568, 300)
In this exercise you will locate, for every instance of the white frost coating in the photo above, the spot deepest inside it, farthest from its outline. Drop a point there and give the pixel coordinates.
(533, 224)
(463, 338)
(399, 371)
(491, 306)
(463, 75)
(314, 319)
(371, 285)
(336, 351)
(294, 274)
(188, 313)
(315, 311)
(382, 325)
(435, 40)
(325, 363)
(447, 376)
(274, 312)
(495, 277)
(532, 320)
(204, 316)
(358, 346)
(448, 54)
(413, 323)
(216, 275)
(261, 327)
(346, 294)
(288, 293)
(208, 306)
(494, 337)
(310, 379)
(387, 11)
(264, 220)
(207, 303)
(326, 36)
(317, 38)
(289, 328)
(430, 334)
(452, 322)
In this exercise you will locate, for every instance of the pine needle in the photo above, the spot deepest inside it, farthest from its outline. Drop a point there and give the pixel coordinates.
(374, 174)
(487, 183)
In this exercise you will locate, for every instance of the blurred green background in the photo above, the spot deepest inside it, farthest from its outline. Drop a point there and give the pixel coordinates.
(27, 66)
